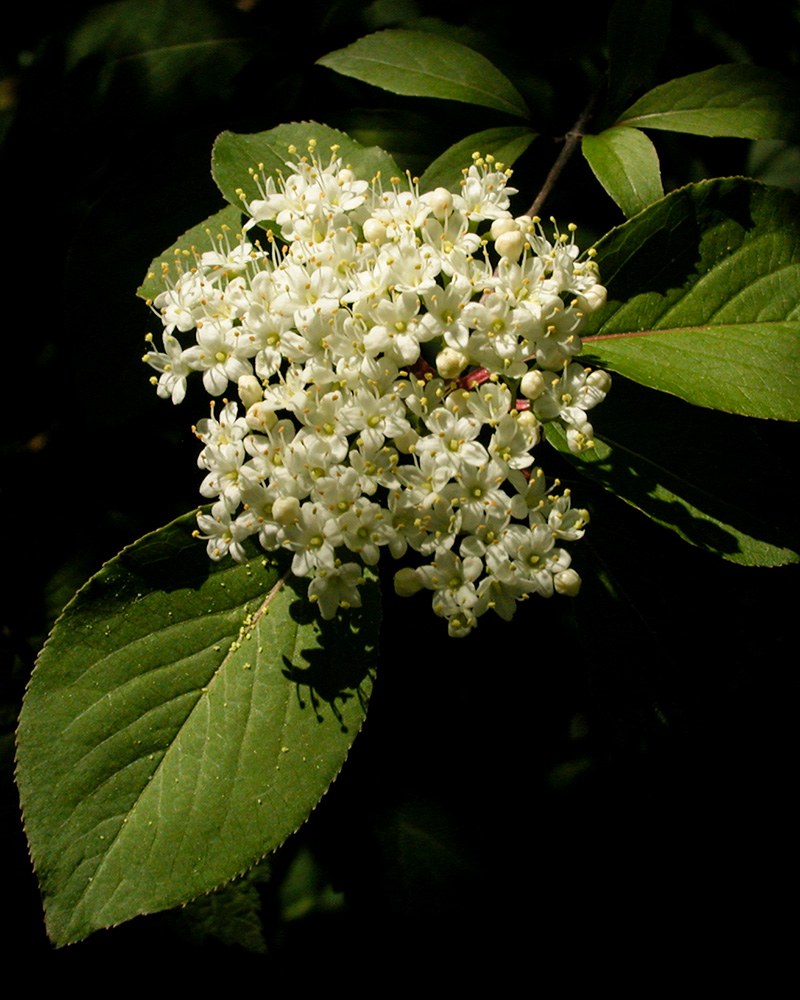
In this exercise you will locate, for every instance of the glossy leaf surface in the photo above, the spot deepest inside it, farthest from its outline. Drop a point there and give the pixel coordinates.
(738, 99)
(420, 64)
(702, 298)
(184, 718)
(625, 162)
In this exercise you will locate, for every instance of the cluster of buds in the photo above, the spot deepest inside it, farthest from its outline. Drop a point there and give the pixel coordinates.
(388, 377)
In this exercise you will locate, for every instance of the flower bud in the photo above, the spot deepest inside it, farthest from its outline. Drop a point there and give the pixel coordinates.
(567, 582)
(591, 299)
(599, 380)
(250, 390)
(374, 231)
(286, 509)
(532, 384)
(510, 245)
(450, 363)
(261, 417)
(441, 202)
(528, 420)
(500, 226)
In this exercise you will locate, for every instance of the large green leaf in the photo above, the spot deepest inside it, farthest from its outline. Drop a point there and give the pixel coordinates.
(183, 719)
(625, 162)
(692, 470)
(703, 298)
(234, 156)
(421, 64)
(505, 144)
(736, 100)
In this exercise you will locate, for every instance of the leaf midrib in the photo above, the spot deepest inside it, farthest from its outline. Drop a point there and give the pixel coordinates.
(88, 885)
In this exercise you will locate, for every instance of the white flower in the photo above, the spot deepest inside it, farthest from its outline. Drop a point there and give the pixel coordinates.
(222, 536)
(174, 369)
(216, 354)
(313, 537)
(349, 443)
(451, 443)
(452, 580)
(336, 587)
(477, 493)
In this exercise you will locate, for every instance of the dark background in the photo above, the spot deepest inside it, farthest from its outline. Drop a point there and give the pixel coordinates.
(600, 781)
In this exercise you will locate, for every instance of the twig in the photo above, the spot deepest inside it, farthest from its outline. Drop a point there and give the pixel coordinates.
(571, 140)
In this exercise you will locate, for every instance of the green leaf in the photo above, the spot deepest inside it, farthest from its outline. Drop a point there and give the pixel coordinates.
(420, 64)
(625, 162)
(774, 162)
(163, 50)
(505, 144)
(234, 156)
(637, 36)
(305, 889)
(206, 235)
(231, 915)
(736, 99)
(683, 467)
(702, 298)
(184, 717)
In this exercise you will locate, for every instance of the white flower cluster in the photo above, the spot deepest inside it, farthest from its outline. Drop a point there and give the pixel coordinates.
(391, 385)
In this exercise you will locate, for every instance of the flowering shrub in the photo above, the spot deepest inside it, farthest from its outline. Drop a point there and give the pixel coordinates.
(394, 367)
(391, 384)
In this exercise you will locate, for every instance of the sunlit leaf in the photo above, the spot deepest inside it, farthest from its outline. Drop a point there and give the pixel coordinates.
(183, 719)
(625, 162)
(421, 64)
(206, 235)
(505, 144)
(235, 156)
(702, 298)
(735, 100)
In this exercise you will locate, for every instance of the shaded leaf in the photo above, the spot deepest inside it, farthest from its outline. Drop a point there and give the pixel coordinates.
(702, 298)
(426, 859)
(183, 719)
(505, 144)
(231, 915)
(625, 162)
(637, 36)
(165, 50)
(420, 64)
(774, 162)
(690, 470)
(305, 889)
(736, 99)
(234, 156)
